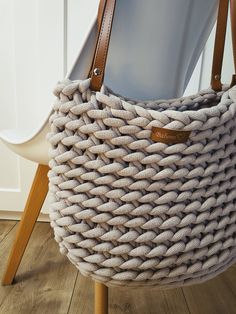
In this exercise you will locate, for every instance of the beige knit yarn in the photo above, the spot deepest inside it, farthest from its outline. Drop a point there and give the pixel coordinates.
(130, 211)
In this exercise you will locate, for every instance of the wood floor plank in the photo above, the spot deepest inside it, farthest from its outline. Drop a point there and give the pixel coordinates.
(83, 296)
(147, 301)
(5, 227)
(45, 279)
(216, 296)
(229, 278)
(4, 251)
(130, 301)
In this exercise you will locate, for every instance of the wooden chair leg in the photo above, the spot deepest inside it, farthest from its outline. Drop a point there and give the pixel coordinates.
(101, 299)
(36, 197)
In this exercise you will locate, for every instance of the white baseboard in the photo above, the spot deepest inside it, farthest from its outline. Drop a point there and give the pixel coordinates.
(12, 215)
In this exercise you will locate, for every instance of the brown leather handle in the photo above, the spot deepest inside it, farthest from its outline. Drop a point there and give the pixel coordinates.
(233, 27)
(105, 19)
(101, 9)
(220, 42)
(219, 45)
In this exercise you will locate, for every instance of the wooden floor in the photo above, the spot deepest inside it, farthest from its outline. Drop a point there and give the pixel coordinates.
(46, 283)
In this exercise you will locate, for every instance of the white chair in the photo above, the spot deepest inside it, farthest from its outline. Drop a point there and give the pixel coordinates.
(174, 55)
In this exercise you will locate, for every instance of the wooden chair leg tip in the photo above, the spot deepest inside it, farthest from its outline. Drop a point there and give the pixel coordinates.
(7, 282)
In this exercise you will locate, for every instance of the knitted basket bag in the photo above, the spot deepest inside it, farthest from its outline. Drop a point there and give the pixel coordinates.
(144, 192)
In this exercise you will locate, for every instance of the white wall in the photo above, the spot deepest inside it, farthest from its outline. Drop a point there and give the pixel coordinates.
(32, 57)
(39, 42)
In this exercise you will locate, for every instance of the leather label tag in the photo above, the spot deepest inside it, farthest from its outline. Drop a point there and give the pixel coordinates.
(169, 136)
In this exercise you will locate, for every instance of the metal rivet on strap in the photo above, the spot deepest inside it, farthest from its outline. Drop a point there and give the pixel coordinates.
(97, 71)
(217, 77)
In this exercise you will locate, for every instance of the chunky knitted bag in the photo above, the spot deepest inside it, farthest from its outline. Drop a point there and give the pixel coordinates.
(145, 192)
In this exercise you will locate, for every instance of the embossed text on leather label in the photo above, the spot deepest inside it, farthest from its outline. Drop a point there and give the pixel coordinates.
(169, 136)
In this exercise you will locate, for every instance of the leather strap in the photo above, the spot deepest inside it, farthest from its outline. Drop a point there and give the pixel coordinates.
(220, 42)
(233, 27)
(105, 19)
(101, 9)
(219, 45)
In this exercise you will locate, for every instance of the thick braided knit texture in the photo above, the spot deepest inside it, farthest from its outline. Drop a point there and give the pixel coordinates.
(130, 211)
